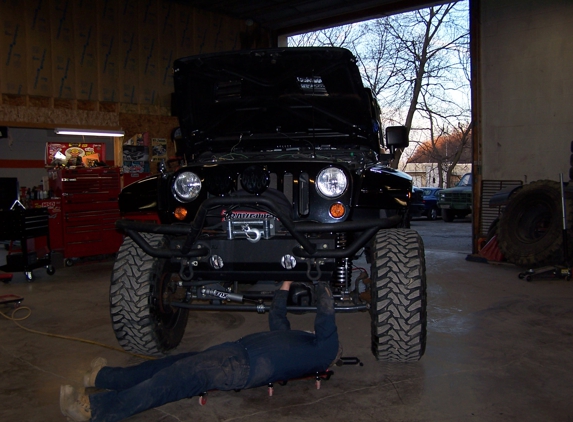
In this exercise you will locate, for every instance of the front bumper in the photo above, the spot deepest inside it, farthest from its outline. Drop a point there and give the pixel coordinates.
(302, 244)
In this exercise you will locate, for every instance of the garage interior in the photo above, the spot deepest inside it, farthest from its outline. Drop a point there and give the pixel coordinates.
(498, 348)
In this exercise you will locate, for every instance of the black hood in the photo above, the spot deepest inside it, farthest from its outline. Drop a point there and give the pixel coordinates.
(274, 99)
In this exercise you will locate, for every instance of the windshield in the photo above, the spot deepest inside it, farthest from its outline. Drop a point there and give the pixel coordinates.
(430, 192)
(466, 180)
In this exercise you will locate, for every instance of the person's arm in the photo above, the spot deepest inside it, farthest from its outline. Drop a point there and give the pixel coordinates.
(278, 313)
(324, 323)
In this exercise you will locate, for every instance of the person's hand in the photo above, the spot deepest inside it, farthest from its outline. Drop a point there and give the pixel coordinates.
(286, 285)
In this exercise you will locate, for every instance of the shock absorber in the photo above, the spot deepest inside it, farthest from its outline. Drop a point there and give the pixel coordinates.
(343, 272)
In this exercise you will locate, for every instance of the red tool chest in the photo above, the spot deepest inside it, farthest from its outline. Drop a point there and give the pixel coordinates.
(89, 205)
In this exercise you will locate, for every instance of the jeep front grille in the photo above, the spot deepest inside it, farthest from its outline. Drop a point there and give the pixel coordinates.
(303, 194)
(289, 181)
(457, 197)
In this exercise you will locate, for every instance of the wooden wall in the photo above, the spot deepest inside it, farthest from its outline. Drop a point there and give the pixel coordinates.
(88, 62)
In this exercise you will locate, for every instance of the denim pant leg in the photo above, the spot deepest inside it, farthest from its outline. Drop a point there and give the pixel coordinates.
(223, 367)
(120, 378)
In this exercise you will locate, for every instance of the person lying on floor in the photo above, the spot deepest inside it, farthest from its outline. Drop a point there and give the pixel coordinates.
(252, 361)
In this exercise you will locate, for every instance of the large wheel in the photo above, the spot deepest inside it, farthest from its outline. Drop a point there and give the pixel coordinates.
(530, 230)
(398, 294)
(448, 215)
(140, 290)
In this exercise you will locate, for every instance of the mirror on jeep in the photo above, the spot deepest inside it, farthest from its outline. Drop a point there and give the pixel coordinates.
(396, 137)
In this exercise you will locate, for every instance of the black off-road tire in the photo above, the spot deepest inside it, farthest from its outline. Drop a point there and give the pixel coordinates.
(492, 230)
(530, 230)
(141, 322)
(448, 215)
(398, 294)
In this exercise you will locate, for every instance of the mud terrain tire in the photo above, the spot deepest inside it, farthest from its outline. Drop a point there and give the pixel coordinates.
(141, 322)
(530, 232)
(398, 294)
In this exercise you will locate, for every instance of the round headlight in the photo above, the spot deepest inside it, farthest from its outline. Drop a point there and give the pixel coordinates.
(187, 186)
(331, 182)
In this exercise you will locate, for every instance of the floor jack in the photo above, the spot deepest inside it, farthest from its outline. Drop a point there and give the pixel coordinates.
(563, 270)
(318, 378)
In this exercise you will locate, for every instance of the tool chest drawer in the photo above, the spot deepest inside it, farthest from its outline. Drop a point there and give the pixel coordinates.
(89, 198)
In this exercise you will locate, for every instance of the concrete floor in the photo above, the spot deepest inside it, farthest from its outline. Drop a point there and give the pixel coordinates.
(498, 349)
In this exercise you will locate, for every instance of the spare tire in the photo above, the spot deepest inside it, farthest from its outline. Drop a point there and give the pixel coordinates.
(530, 230)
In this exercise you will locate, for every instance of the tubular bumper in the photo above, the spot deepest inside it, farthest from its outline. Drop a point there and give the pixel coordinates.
(298, 230)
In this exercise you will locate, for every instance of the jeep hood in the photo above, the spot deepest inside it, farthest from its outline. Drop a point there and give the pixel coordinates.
(274, 99)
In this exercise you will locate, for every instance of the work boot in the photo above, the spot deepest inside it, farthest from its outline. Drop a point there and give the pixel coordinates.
(90, 376)
(75, 405)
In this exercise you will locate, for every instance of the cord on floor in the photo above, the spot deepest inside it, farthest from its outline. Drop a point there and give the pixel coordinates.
(81, 340)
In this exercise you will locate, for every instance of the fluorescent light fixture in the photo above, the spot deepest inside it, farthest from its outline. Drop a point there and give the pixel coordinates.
(89, 132)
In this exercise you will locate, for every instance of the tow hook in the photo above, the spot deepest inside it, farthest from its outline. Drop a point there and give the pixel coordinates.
(186, 270)
(310, 263)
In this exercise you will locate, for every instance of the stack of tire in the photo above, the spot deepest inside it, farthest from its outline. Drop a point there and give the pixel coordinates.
(530, 230)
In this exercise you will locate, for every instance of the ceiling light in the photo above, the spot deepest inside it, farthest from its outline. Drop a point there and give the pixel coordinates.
(89, 132)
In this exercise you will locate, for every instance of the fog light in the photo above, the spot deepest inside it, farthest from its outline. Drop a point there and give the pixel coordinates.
(216, 262)
(180, 213)
(337, 210)
(288, 262)
(255, 179)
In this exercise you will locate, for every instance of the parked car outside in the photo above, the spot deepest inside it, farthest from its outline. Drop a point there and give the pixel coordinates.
(430, 200)
(457, 201)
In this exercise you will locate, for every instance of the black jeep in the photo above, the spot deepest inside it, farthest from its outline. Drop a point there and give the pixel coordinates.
(284, 178)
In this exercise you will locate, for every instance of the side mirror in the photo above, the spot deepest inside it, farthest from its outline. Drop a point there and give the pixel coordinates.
(396, 137)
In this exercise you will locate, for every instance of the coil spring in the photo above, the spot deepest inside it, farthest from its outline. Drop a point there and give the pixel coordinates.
(343, 272)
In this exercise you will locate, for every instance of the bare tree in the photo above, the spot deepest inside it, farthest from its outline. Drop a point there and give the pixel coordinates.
(415, 64)
(463, 134)
(346, 36)
(445, 149)
(427, 44)
(379, 66)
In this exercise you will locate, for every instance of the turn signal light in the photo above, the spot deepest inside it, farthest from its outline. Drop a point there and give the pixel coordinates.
(337, 210)
(180, 213)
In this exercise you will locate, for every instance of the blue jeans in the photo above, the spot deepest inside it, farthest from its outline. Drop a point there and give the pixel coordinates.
(257, 359)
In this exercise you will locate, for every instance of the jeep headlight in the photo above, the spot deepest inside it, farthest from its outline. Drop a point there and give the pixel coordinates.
(187, 186)
(331, 182)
